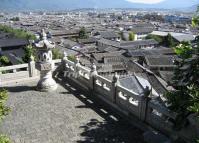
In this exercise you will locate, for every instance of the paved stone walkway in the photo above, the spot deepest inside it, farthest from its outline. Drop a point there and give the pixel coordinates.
(65, 116)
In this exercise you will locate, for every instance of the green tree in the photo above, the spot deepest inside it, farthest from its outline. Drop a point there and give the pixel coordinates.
(15, 19)
(57, 54)
(155, 37)
(29, 51)
(170, 41)
(119, 17)
(184, 50)
(82, 33)
(18, 33)
(72, 58)
(185, 98)
(131, 36)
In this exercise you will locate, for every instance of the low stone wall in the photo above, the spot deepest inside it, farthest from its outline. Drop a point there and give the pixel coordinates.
(147, 110)
(110, 91)
(23, 72)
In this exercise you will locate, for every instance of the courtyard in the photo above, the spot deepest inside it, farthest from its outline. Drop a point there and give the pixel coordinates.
(67, 115)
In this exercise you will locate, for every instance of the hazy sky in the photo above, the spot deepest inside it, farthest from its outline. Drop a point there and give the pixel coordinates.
(63, 4)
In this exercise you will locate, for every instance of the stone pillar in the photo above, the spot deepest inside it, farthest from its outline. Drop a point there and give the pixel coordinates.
(93, 74)
(31, 67)
(115, 82)
(45, 64)
(144, 103)
(77, 65)
(64, 62)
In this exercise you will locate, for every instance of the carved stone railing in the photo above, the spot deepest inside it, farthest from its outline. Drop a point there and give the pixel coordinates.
(22, 72)
(147, 110)
(14, 73)
(126, 100)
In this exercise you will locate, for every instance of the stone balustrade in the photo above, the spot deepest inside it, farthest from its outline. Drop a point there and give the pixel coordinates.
(22, 72)
(145, 109)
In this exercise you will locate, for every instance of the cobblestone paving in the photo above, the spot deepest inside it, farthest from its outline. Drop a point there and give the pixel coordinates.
(64, 116)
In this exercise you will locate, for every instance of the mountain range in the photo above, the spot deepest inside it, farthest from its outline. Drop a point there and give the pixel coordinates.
(15, 5)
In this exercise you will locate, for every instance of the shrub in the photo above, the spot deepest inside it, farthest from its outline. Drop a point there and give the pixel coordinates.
(29, 51)
(4, 139)
(3, 112)
(155, 37)
(131, 36)
(4, 61)
(57, 54)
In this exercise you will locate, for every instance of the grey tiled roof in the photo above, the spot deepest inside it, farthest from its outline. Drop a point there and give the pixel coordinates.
(142, 30)
(166, 75)
(159, 51)
(126, 45)
(130, 45)
(13, 42)
(108, 34)
(99, 56)
(69, 43)
(131, 83)
(186, 37)
(89, 40)
(160, 60)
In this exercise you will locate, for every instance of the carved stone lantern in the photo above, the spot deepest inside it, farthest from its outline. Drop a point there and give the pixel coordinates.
(45, 64)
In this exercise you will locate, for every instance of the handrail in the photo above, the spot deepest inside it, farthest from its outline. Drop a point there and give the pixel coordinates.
(128, 92)
(57, 61)
(13, 67)
(103, 80)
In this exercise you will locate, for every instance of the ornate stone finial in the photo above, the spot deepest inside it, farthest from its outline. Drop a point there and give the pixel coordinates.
(65, 56)
(93, 71)
(147, 91)
(93, 67)
(77, 60)
(115, 78)
(32, 58)
(43, 35)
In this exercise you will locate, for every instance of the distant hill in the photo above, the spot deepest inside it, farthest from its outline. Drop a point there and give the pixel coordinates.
(193, 8)
(189, 9)
(17, 5)
(61, 4)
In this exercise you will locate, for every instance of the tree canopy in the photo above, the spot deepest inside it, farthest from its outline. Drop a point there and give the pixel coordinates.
(169, 41)
(15, 19)
(185, 98)
(131, 36)
(82, 33)
(57, 54)
(29, 51)
(18, 33)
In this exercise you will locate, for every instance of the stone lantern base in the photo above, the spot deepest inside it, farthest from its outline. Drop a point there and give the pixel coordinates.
(46, 82)
(47, 85)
